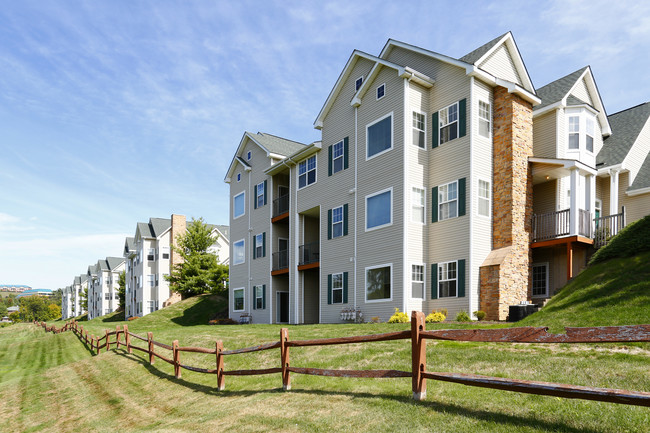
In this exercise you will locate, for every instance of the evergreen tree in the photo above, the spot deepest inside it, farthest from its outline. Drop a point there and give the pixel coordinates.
(121, 290)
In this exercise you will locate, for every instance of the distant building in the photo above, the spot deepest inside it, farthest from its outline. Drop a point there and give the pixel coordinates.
(13, 288)
(35, 292)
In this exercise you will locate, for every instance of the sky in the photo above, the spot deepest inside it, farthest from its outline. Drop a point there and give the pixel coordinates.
(112, 112)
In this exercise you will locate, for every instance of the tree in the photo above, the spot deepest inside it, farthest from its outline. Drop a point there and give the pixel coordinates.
(35, 308)
(200, 271)
(83, 300)
(57, 296)
(121, 290)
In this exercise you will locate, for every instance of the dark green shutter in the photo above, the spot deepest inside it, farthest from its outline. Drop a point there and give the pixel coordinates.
(265, 193)
(435, 128)
(460, 274)
(461, 197)
(254, 196)
(329, 161)
(254, 246)
(345, 219)
(462, 117)
(264, 244)
(434, 204)
(254, 306)
(345, 287)
(434, 281)
(329, 224)
(329, 289)
(264, 296)
(346, 148)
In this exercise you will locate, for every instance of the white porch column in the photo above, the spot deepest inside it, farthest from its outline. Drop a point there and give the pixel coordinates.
(613, 191)
(573, 208)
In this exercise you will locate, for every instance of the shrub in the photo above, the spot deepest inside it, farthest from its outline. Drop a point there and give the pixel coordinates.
(375, 319)
(463, 317)
(130, 319)
(435, 317)
(399, 317)
(480, 314)
(222, 321)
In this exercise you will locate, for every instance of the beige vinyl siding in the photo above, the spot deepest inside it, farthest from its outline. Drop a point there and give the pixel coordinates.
(598, 138)
(637, 206)
(544, 197)
(561, 138)
(500, 64)
(580, 91)
(602, 193)
(544, 135)
(640, 150)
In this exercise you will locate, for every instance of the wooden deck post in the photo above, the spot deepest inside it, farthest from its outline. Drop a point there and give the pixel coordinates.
(150, 341)
(107, 342)
(284, 353)
(177, 359)
(127, 337)
(418, 356)
(220, 376)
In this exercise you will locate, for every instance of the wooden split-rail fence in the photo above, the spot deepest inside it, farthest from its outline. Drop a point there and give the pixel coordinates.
(418, 374)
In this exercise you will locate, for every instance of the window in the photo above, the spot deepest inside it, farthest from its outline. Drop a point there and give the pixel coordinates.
(448, 123)
(378, 283)
(307, 172)
(379, 209)
(448, 201)
(483, 198)
(151, 255)
(260, 194)
(152, 280)
(337, 222)
(379, 136)
(358, 83)
(447, 280)
(238, 299)
(381, 91)
(151, 306)
(484, 119)
(249, 155)
(540, 279)
(590, 135)
(337, 157)
(239, 204)
(165, 252)
(259, 297)
(238, 252)
(337, 288)
(417, 281)
(238, 177)
(107, 296)
(574, 132)
(258, 248)
(419, 129)
(417, 205)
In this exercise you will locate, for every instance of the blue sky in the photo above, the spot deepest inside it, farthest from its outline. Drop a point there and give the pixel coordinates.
(116, 111)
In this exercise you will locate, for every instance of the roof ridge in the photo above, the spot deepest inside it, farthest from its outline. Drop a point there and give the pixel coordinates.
(281, 138)
(468, 58)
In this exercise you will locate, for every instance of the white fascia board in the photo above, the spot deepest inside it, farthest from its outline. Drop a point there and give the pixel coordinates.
(565, 163)
(639, 191)
(295, 158)
(474, 71)
(604, 171)
(402, 72)
(548, 108)
(449, 60)
(515, 55)
(588, 76)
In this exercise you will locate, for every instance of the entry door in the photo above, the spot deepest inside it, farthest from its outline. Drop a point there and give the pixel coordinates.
(283, 307)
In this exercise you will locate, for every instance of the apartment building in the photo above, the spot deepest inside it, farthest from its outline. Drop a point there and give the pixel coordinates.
(79, 286)
(438, 183)
(103, 281)
(66, 303)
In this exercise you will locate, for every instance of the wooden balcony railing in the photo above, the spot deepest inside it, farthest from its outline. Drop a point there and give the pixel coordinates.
(551, 225)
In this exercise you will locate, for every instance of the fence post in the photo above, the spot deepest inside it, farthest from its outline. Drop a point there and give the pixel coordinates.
(284, 354)
(92, 342)
(107, 342)
(127, 337)
(220, 376)
(418, 356)
(177, 359)
(117, 337)
(150, 340)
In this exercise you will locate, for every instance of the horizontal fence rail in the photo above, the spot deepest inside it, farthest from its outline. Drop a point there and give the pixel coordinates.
(418, 374)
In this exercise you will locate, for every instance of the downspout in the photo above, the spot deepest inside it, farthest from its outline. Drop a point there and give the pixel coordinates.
(270, 303)
(248, 292)
(356, 195)
(472, 282)
(405, 261)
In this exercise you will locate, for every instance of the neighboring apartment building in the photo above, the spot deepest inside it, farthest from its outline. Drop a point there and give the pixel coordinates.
(103, 281)
(221, 248)
(79, 286)
(66, 303)
(421, 193)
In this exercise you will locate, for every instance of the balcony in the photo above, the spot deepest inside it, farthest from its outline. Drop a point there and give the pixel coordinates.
(280, 264)
(308, 256)
(557, 225)
(280, 208)
(607, 227)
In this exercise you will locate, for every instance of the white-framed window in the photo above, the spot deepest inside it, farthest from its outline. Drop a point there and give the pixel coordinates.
(307, 172)
(448, 201)
(357, 83)
(238, 300)
(337, 288)
(239, 205)
(417, 205)
(259, 297)
(540, 279)
(484, 192)
(249, 155)
(259, 245)
(379, 209)
(151, 306)
(259, 194)
(419, 129)
(379, 282)
(574, 132)
(151, 255)
(107, 296)
(337, 157)
(589, 136)
(484, 118)
(337, 222)
(152, 280)
(381, 91)
(238, 252)
(379, 136)
(448, 123)
(447, 280)
(165, 253)
(417, 281)
(238, 177)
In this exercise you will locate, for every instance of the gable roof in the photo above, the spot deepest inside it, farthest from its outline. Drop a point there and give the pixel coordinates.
(224, 231)
(642, 180)
(555, 91)
(154, 228)
(129, 245)
(474, 56)
(114, 262)
(626, 126)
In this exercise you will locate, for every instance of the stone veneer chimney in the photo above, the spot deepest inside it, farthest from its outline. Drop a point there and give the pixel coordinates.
(179, 227)
(505, 273)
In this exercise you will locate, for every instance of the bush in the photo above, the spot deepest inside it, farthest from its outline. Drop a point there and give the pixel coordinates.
(222, 321)
(130, 319)
(480, 314)
(463, 317)
(632, 240)
(375, 319)
(399, 317)
(435, 317)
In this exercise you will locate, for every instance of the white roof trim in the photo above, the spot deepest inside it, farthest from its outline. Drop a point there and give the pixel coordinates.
(295, 158)
(638, 191)
(565, 163)
(511, 46)
(239, 150)
(393, 43)
(598, 102)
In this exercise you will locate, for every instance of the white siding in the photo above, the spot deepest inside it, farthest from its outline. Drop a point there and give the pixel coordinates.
(500, 64)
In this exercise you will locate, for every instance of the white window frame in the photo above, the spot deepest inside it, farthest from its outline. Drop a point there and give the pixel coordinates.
(414, 128)
(479, 198)
(369, 268)
(234, 217)
(234, 252)
(259, 245)
(392, 135)
(339, 157)
(441, 202)
(441, 126)
(151, 278)
(532, 273)
(337, 288)
(424, 279)
(259, 195)
(340, 222)
(381, 86)
(243, 290)
(357, 84)
(589, 121)
(422, 205)
(487, 120)
(440, 280)
(307, 170)
(389, 223)
(570, 132)
(260, 305)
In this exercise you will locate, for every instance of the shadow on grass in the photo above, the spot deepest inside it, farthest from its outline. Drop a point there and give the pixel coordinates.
(202, 311)
(437, 406)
